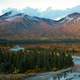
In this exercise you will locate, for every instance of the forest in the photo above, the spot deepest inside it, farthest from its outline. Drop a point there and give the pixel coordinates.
(34, 60)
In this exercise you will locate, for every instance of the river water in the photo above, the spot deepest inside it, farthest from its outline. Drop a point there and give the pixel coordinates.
(68, 76)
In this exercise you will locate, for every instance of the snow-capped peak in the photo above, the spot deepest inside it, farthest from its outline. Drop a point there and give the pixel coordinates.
(69, 18)
(10, 13)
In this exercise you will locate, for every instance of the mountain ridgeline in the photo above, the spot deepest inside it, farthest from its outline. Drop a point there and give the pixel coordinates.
(21, 26)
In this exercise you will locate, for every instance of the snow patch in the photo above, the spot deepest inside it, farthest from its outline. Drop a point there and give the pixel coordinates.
(78, 19)
(69, 19)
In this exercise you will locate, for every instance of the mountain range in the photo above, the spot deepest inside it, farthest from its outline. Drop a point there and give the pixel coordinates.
(20, 26)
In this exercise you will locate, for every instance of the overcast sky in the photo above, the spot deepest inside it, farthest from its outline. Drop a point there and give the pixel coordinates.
(40, 4)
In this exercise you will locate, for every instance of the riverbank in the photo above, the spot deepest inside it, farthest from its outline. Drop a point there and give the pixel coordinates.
(12, 76)
(45, 74)
(54, 73)
(27, 75)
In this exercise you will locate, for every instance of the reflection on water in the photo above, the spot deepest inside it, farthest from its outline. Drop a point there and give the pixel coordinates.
(62, 76)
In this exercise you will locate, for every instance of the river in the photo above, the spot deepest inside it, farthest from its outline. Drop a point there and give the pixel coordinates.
(66, 75)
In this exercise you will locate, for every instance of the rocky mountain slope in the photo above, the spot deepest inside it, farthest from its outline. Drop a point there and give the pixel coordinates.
(20, 26)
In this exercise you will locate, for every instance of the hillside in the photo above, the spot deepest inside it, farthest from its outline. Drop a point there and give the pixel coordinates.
(21, 26)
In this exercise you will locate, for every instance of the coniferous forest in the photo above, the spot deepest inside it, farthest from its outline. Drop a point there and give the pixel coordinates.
(34, 60)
